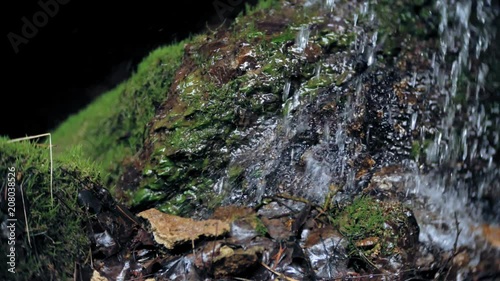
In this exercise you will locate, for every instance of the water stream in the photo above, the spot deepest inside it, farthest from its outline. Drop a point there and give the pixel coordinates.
(310, 151)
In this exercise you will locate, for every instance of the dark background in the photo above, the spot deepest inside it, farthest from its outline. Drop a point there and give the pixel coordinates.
(86, 48)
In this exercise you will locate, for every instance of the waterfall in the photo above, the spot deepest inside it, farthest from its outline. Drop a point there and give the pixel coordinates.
(463, 174)
(325, 131)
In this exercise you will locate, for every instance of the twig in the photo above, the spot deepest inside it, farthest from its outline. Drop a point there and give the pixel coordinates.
(455, 244)
(293, 198)
(279, 255)
(328, 254)
(366, 259)
(213, 248)
(51, 160)
(192, 246)
(91, 258)
(277, 273)
(77, 276)
(25, 216)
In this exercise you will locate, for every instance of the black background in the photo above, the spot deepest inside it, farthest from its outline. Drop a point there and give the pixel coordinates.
(86, 48)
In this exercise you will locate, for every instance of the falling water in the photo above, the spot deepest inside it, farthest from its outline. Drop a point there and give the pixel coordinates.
(307, 152)
(458, 178)
(302, 38)
(462, 172)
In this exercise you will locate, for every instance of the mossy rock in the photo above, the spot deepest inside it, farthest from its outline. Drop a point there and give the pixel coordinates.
(49, 237)
(228, 80)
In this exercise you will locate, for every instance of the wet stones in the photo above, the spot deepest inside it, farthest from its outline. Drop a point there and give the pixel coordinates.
(88, 201)
(386, 117)
(389, 183)
(327, 250)
(236, 261)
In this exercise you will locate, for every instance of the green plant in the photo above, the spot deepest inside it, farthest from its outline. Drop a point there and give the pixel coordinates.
(363, 218)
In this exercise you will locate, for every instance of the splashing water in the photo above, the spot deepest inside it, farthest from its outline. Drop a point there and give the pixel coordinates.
(460, 179)
(309, 152)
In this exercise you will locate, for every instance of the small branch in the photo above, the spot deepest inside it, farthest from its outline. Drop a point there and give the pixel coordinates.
(25, 216)
(455, 246)
(277, 273)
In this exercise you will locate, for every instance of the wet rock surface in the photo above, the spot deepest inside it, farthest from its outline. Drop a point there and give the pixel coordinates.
(295, 145)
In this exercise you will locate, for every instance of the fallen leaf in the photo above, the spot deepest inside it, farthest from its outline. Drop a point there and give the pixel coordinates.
(492, 234)
(171, 231)
(96, 276)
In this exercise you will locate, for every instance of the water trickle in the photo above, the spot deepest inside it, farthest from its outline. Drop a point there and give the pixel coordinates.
(286, 90)
(302, 38)
(414, 79)
(371, 50)
(414, 117)
(218, 187)
(317, 71)
(330, 4)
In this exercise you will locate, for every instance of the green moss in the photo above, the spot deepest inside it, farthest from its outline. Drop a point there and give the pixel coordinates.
(385, 225)
(147, 196)
(402, 21)
(332, 40)
(174, 206)
(234, 172)
(185, 201)
(319, 82)
(262, 5)
(463, 81)
(112, 127)
(363, 218)
(418, 148)
(199, 122)
(55, 239)
(415, 150)
(260, 227)
(285, 36)
(257, 174)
